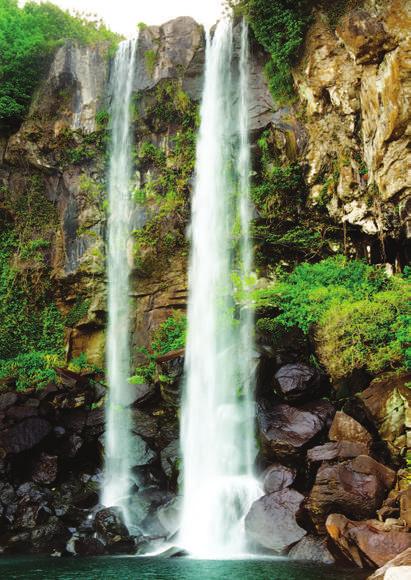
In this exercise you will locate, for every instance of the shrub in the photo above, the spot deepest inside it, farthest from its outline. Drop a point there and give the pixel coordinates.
(34, 369)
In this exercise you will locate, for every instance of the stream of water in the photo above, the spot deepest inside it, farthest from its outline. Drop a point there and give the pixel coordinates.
(118, 450)
(217, 415)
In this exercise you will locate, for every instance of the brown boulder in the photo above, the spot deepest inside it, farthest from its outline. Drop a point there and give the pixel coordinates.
(277, 477)
(295, 381)
(286, 430)
(367, 543)
(265, 515)
(312, 549)
(388, 401)
(7, 400)
(364, 36)
(345, 428)
(336, 450)
(403, 559)
(355, 488)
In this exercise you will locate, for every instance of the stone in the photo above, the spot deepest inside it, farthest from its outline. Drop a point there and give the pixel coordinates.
(277, 477)
(405, 506)
(312, 549)
(45, 469)
(144, 424)
(109, 525)
(336, 450)
(24, 435)
(89, 547)
(7, 400)
(262, 521)
(297, 381)
(367, 543)
(345, 428)
(364, 36)
(19, 412)
(286, 431)
(170, 457)
(29, 515)
(400, 564)
(388, 400)
(355, 488)
(140, 451)
(169, 515)
(49, 537)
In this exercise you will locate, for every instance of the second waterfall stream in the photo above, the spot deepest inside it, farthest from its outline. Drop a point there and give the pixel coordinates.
(217, 427)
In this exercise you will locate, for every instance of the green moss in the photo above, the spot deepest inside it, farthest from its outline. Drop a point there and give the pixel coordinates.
(150, 60)
(78, 311)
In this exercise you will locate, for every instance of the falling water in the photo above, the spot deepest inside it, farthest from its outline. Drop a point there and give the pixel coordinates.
(217, 416)
(118, 416)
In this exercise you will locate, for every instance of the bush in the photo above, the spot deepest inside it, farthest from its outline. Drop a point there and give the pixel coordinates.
(279, 26)
(34, 369)
(28, 37)
(359, 315)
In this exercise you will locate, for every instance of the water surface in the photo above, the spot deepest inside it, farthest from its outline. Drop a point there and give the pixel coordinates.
(131, 568)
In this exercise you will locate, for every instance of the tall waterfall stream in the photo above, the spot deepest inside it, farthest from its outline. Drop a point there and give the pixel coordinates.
(118, 447)
(217, 415)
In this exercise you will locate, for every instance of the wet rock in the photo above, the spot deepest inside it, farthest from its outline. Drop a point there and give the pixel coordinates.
(337, 450)
(297, 381)
(286, 430)
(144, 425)
(73, 444)
(367, 543)
(7, 400)
(140, 451)
(30, 515)
(170, 457)
(388, 401)
(49, 537)
(45, 469)
(32, 492)
(355, 488)
(89, 547)
(109, 525)
(169, 515)
(24, 435)
(74, 420)
(364, 36)
(345, 428)
(19, 412)
(277, 477)
(313, 549)
(398, 564)
(262, 521)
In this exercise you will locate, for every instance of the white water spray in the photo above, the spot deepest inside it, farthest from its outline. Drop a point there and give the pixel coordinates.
(217, 415)
(117, 480)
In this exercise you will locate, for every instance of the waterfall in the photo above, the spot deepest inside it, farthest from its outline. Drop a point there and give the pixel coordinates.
(118, 443)
(217, 432)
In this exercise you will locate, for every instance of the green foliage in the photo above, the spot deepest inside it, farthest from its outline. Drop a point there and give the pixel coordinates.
(33, 249)
(78, 311)
(150, 59)
(141, 26)
(279, 26)
(102, 119)
(28, 37)
(34, 369)
(360, 315)
(169, 336)
(283, 189)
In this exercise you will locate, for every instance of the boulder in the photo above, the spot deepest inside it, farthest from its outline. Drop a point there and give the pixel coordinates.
(345, 428)
(45, 469)
(29, 516)
(89, 547)
(7, 400)
(355, 488)
(388, 400)
(49, 537)
(109, 525)
(364, 36)
(24, 435)
(367, 543)
(401, 564)
(339, 450)
(285, 431)
(312, 549)
(20, 412)
(170, 457)
(297, 381)
(277, 477)
(144, 424)
(265, 515)
(169, 515)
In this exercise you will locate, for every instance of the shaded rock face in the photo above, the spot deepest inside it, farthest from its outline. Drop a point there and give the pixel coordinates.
(298, 381)
(277, 477)
(345, 428)
(369, 543)
(388, 401)
(339, 450)
(355, 488)
(286, 430)
(312, 549)
(262, 521)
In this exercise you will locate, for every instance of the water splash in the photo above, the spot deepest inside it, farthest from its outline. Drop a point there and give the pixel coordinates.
(217, 432)
(118, 440)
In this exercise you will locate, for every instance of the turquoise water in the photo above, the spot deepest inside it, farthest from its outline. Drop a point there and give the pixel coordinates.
(130, 568)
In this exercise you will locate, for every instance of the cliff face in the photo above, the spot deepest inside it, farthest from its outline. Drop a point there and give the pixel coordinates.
(345, 135)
